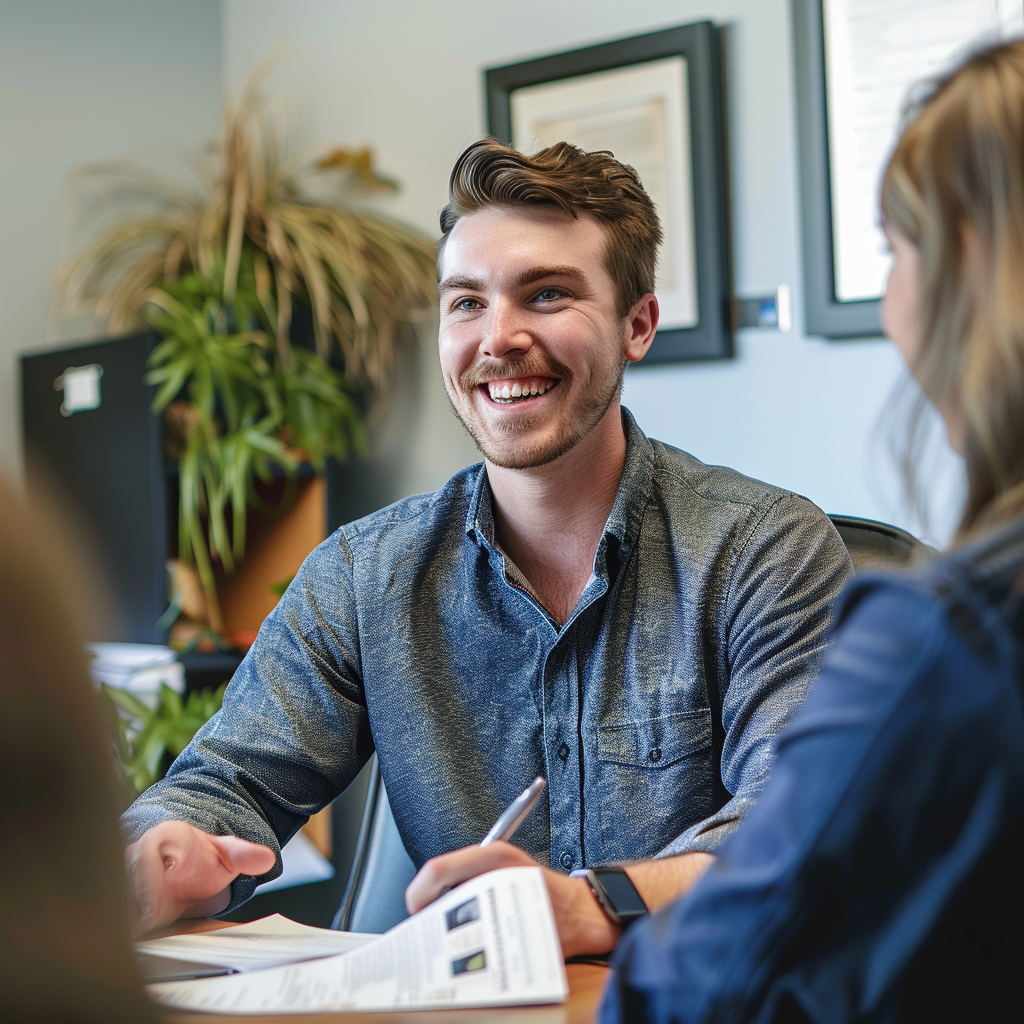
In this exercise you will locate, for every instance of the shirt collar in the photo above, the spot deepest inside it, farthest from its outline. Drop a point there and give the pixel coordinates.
(631, 500)
(623, 526)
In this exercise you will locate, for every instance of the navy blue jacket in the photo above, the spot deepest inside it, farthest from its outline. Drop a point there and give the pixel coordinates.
(879, 877)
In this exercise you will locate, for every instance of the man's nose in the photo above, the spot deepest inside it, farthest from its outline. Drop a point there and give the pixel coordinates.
(506, 331)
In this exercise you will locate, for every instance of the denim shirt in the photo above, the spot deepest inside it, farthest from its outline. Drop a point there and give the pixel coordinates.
(879, 877)
(651, 711)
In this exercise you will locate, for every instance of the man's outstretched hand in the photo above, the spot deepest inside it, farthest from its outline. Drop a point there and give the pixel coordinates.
(176, 870)
(582, 925)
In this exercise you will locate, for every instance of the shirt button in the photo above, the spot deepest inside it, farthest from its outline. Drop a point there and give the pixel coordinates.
(655, 754)
(562, 752)
(566, 860)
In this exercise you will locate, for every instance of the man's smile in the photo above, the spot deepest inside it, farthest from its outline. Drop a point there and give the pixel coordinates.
(512, 390)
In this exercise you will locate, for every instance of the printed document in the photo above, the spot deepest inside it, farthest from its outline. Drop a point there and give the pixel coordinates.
(490, 942)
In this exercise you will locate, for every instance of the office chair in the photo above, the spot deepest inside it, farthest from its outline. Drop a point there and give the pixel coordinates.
(374, 899)
(874, 545)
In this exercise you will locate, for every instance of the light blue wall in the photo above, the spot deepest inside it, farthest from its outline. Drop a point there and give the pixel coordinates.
(84, 80)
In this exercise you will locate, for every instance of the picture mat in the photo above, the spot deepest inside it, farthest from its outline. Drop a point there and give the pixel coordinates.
(875, 51)
(641, 114)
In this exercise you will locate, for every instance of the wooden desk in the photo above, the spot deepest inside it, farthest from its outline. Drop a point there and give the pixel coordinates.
(585, 984)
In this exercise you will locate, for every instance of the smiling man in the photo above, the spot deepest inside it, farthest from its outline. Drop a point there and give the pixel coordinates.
(586, 604)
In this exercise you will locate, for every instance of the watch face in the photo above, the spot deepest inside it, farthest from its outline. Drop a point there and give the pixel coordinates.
(621, 893)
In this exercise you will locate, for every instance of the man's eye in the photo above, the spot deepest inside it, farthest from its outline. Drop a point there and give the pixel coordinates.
(467, 305)
(547, 294)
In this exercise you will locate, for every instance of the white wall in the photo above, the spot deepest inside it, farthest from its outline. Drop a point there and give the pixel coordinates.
(84, 81)
(405, 77)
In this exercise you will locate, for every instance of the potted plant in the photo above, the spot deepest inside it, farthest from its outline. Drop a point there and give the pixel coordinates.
(220, 273)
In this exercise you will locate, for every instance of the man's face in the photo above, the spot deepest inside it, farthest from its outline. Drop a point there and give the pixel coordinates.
(531, 344)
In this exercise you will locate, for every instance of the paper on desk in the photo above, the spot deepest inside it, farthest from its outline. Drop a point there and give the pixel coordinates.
(269, 942)
(490, 942)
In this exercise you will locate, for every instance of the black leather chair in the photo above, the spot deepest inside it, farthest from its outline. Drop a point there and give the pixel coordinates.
(374, 898)
(874, 545)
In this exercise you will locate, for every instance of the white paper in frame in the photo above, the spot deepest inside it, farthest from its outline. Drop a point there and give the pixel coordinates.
(641, 114)
(875, 50)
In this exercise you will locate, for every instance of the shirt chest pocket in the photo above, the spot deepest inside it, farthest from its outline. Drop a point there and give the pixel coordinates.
(657, 742)
(654, 778)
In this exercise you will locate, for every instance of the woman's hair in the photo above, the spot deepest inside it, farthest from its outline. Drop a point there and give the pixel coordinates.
(955, 188)
(567, 178)
(63, 903)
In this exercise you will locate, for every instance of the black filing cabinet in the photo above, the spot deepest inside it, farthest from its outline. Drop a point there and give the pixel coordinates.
(102, 456)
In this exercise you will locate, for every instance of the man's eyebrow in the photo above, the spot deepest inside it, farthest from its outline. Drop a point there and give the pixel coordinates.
(469, 283)
(539, 273)
(473, 284)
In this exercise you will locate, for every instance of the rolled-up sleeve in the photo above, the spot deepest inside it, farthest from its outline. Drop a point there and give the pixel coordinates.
(293, 731)
(772, 626)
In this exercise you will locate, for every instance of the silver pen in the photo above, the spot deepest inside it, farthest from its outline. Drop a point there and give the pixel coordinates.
(511, 818)
(513, 815)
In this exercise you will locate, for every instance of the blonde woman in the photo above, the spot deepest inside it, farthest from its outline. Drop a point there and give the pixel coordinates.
(880, 875)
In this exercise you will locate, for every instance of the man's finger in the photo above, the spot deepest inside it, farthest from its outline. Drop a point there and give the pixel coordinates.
(440, 874)
(145, 870)
(243, 857)
(209, 908)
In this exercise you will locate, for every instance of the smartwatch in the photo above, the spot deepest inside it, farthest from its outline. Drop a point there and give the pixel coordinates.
(616, 893)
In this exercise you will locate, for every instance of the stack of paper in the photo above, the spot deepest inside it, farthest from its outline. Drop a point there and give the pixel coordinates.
(269, 942)
(141, 669)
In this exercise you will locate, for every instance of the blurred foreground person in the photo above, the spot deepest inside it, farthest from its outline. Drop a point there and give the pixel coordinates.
(879, 876)
(63, 905)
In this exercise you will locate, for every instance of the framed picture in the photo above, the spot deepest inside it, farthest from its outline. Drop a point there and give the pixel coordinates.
(656, 102)
(855, 65)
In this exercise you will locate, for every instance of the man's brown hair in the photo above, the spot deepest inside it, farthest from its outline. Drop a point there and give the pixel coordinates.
(564, 176)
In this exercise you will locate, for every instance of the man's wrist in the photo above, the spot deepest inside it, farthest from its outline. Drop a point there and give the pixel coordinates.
(598, 933)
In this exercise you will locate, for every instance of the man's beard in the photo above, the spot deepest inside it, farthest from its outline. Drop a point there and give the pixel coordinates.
(589, 409)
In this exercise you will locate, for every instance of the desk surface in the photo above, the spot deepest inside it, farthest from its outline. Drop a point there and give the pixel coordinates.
(585, 984)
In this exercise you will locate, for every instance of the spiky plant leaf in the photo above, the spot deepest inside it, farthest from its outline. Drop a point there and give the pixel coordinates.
(363, 275)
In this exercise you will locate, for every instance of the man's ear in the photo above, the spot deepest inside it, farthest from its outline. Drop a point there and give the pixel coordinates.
(641, 325)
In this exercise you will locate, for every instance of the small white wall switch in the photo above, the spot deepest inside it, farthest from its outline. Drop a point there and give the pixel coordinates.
(771, 311)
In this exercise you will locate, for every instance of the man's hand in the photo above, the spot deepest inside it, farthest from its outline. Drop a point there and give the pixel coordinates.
(583, 926)
(176, 870)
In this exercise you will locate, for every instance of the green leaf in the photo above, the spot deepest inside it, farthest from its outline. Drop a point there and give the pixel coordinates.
(165, 732)
(281, 586)
(170, 706)
(133, 708)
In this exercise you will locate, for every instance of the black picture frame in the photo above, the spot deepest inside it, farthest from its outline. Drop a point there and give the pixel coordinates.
(701, 46)
(824, 314)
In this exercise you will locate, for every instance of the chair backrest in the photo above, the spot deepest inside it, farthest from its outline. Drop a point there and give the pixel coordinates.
(374, 898)
(874, 545)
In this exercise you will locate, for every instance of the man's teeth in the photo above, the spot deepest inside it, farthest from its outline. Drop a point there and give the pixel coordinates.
(509, 393)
